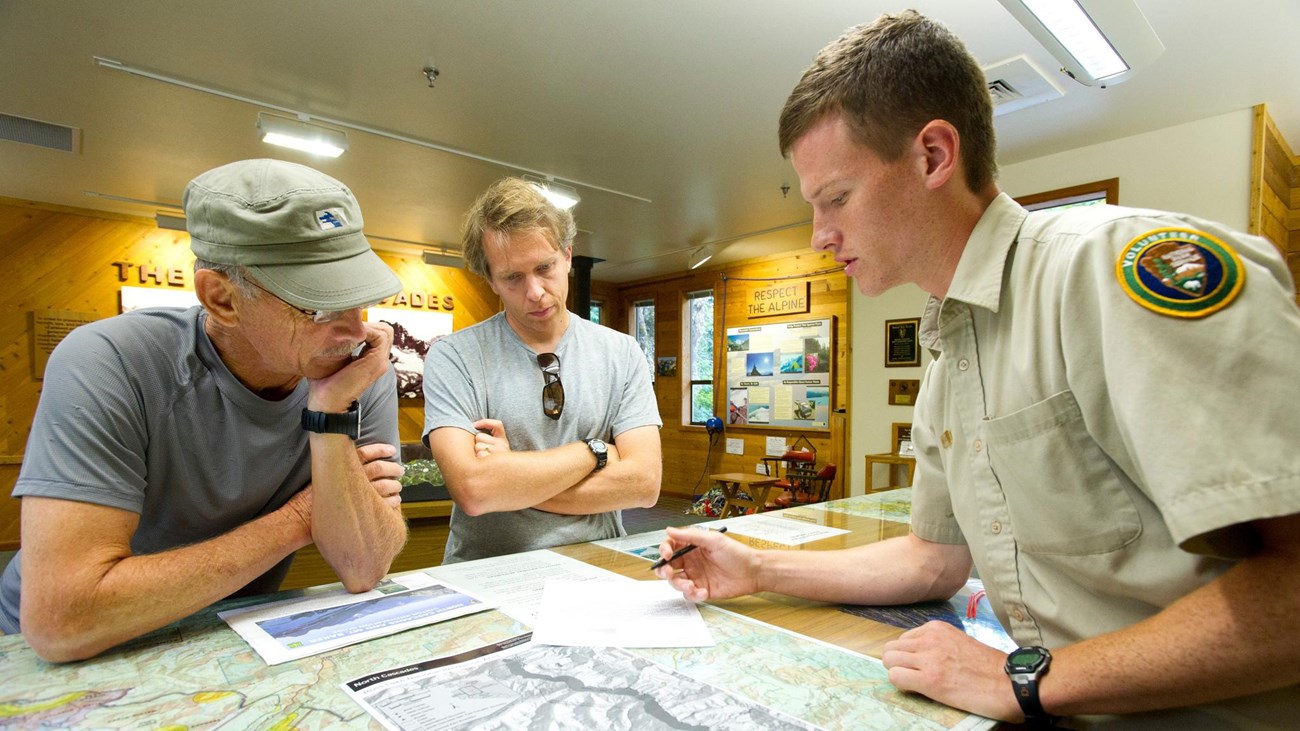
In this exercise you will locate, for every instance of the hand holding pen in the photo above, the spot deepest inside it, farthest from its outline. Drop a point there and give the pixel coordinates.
(679, 553)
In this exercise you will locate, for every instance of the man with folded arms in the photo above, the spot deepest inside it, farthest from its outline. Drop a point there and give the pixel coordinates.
(545, 425)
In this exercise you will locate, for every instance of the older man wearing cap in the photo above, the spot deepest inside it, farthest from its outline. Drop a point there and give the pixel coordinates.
(180, 457)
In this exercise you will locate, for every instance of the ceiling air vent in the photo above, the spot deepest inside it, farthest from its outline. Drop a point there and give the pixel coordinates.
(41, 134)
(1016, 83)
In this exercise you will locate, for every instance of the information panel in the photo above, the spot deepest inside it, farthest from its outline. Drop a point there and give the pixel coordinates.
(780, 375)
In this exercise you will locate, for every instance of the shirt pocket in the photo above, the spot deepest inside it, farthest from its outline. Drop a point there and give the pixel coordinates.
(1061, 490)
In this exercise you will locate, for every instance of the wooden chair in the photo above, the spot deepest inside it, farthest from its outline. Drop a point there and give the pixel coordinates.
(808, 490)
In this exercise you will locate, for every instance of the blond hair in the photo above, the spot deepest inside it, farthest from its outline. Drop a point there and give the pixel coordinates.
(507, 207)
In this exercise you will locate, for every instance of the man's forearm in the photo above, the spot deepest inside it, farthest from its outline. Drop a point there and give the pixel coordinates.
(357, 534)
(625, 484)
(519, 480)
(108, 598)
(1226, 639)
(898, 570)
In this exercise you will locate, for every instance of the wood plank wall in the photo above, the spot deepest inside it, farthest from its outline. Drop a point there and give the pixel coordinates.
(58, 258)
(1275, 190)
(685, 447)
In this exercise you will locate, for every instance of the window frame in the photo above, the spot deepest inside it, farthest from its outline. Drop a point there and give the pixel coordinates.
(1106, 191)
(632, 328)
(689, 382)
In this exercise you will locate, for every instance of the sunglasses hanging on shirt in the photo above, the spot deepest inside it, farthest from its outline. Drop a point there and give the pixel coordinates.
(553, 390)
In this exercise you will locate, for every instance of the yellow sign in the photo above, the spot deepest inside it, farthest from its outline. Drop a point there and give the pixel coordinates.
(780, 299)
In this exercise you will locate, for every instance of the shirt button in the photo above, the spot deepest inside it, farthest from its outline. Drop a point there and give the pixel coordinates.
(963, 364)
(978, 445)
(1019, 615)
(996, 527)
(946, 439)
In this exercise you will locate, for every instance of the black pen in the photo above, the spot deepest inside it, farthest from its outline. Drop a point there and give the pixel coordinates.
(679, 553)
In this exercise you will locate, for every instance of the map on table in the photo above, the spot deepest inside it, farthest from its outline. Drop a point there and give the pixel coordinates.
(197, 673)
(894, 505)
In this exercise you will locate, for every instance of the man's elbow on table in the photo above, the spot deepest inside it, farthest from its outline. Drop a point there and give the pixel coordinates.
(58, 638)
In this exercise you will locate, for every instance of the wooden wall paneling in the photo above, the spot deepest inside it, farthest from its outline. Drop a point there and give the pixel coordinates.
(687, 457)
(1275, 190)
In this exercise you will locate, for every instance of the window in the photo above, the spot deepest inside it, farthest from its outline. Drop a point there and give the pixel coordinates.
(597, 314)
(643, 329)
(699, 349)
(1088, 194)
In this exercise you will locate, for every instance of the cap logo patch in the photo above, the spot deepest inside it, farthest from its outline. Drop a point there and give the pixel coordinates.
(331, 218)
(1180, 272)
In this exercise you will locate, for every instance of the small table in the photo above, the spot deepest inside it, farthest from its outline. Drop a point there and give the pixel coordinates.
(732, 482)
(890, 459)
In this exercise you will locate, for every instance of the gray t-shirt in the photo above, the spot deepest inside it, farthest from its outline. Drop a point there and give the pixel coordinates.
(138, 412)
(486, 372)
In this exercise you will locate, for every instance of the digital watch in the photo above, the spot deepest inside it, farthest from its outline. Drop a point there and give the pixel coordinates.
(601, 451)
(1026, 666)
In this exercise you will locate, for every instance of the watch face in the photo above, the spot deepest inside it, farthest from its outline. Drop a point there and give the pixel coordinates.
(1026, 659)
(597, 446)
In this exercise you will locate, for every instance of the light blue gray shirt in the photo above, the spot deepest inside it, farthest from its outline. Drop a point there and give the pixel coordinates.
(138, 412)
(486, 372)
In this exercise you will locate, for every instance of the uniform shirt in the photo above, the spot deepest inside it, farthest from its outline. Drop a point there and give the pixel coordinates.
(486, 372)
(1099, 458)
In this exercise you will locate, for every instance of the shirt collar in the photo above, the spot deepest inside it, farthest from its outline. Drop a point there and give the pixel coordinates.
(978, 278)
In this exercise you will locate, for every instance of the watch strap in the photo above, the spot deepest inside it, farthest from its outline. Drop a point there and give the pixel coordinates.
(602, 453)
(1024, 683)
(348, 422)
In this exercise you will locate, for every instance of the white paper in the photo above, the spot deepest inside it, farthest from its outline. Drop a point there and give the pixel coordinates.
(735, 446)
(618, 614)
(772, 527)
(514, 582)
(301, 627)
(775, 446)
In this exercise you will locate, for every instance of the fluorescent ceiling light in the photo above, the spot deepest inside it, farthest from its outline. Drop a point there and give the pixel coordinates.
(700, 256)
(1097, 42)
(560, 196)
(301, 135)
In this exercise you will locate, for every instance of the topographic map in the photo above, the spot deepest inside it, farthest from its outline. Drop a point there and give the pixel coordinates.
(198, 673)
(895, 505)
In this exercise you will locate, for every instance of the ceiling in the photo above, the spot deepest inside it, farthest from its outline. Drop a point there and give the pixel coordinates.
(671, 101)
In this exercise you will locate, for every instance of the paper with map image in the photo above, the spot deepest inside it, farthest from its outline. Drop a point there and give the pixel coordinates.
(297, 628)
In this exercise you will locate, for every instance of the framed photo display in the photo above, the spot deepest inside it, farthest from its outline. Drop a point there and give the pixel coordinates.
(902, 349)
(780, 374)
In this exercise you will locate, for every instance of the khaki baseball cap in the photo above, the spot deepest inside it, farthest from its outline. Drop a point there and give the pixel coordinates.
(296, 230)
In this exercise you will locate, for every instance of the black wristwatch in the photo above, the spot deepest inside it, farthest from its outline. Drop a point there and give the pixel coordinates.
(601, 451)
(348, 422)
(1026, 666)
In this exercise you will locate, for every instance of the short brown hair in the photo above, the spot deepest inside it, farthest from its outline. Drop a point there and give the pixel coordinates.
(510, 206)
(891, 77)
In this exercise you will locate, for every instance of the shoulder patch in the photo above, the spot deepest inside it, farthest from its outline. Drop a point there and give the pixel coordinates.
(1180, 272)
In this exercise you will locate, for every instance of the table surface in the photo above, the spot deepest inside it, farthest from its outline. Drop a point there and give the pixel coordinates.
(743, 478)
(198, 671)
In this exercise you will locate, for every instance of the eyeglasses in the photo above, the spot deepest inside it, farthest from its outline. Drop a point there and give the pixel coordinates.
(319, 317)
(553, 391)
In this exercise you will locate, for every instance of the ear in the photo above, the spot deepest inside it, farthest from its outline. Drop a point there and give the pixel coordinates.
(218, 296)
(939, 146)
